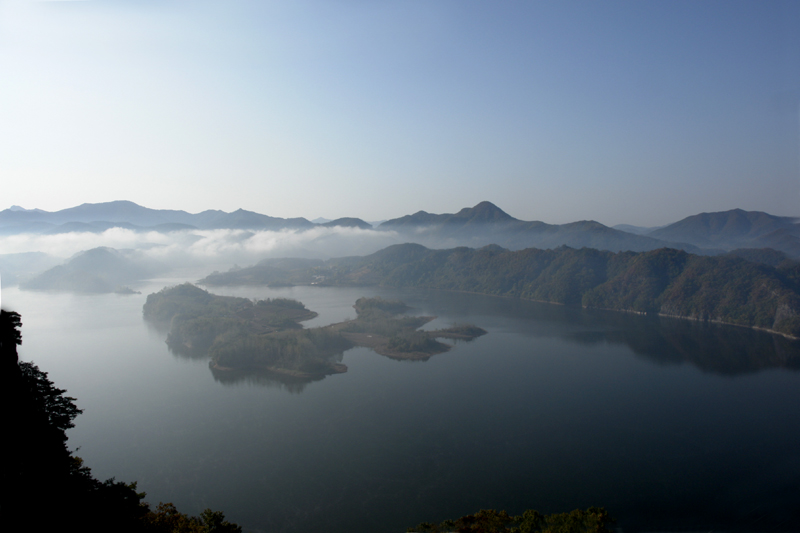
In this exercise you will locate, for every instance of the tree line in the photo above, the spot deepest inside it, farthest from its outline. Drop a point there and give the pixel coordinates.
(756, 288)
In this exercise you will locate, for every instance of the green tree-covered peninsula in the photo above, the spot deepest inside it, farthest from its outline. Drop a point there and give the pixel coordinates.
(728, 288)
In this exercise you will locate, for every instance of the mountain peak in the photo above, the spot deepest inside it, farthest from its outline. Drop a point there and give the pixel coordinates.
(112, 204)
(484, 212)
(735, 228)
(348, 222)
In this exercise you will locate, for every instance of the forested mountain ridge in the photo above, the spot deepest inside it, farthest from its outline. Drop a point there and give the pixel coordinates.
(666, 281)
(735, 229)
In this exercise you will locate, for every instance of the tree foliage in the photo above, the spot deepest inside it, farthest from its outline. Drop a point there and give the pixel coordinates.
(592, 520)
(753, 288)
(46, 401)
(44, 486)
(167, 519)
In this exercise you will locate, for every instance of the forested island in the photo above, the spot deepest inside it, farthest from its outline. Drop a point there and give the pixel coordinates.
(755, 288)
(241, 334)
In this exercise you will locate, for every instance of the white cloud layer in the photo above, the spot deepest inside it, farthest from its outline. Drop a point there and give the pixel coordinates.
(215, 248)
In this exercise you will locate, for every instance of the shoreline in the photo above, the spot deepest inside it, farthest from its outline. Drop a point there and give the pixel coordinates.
(642, 313)
(693, 319)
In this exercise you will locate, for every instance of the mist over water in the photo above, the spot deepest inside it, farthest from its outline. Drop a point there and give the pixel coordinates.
(203, 248)
(555, 408)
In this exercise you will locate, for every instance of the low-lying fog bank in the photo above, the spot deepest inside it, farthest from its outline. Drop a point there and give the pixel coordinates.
(26, 256)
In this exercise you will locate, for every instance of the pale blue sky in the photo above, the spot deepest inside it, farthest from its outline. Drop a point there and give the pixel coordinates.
(635, 112)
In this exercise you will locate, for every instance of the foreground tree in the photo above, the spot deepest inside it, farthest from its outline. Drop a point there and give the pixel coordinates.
(44, 486)
(592, 520)
(166, 518)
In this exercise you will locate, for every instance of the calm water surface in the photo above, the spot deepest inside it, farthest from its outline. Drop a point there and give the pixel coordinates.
(671, 425)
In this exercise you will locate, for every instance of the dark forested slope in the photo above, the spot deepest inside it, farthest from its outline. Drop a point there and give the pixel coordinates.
(664, 281)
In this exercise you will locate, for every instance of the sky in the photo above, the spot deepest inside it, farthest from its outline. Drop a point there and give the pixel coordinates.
(621, 112)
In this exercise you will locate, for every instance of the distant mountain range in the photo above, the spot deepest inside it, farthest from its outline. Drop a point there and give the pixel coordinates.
(487, 224)
(481, 225)
(99, 217)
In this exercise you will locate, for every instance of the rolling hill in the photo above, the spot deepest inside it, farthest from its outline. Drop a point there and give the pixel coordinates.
(733, 229)
(99, 270)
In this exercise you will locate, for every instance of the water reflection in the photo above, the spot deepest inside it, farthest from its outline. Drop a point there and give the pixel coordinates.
(555, 408)
(181, 351)
(262, 378)
(712, 348)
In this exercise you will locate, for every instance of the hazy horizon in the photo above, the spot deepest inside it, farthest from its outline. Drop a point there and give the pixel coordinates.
(322, 220)
(620, 112)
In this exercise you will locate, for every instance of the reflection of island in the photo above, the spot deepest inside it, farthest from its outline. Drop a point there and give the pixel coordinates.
(239, 334)
(263, 378)
(711, 348)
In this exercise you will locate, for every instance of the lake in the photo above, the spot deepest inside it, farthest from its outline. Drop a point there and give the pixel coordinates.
(669, 424)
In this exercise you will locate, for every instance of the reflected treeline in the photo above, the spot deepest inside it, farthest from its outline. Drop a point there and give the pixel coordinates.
(464, 306)
(713, 348)
(263, 378)
(182, 351)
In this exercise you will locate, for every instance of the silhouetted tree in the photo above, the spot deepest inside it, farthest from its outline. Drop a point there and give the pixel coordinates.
(45, 487)
(167, 519)
(592, 520)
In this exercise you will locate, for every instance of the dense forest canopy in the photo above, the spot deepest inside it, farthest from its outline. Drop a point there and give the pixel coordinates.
(762, 292)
